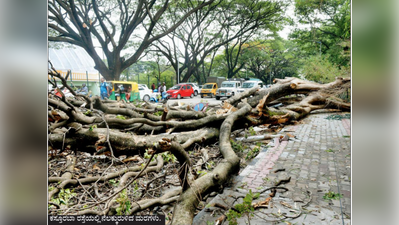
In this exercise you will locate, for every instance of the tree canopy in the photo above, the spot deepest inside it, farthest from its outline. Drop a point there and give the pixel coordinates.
(215, 27)
(262, 59)
(117, 27)
(196, 39)
(329, 29)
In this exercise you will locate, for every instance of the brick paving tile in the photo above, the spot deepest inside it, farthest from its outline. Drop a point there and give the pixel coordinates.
(318, 162)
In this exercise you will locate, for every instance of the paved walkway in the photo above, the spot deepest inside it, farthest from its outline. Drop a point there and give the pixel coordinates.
(317, 161)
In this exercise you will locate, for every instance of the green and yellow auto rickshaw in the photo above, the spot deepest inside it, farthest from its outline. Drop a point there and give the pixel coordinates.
(126, 90)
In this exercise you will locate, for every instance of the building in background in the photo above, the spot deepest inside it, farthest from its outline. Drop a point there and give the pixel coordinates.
(81, 65)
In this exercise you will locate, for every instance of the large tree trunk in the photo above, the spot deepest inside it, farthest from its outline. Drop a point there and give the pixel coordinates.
(189, 200)
(124, 129)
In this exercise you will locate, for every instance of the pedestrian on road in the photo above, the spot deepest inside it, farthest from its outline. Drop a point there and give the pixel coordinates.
(163, 90)
(153, 87)
(160, 88)
(104, 89)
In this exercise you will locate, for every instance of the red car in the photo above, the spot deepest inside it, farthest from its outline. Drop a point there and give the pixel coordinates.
(180, 90)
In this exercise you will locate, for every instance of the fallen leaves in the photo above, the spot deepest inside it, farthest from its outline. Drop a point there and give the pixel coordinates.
(279, 119)
(262, 204)
(283, 138)
(286, 204)
(101, 140)
(219, 206)
(220, 220)
(135, 158)
(226, 108)
(96, 167)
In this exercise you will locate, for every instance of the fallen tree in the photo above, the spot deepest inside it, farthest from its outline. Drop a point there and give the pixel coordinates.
(128, 136)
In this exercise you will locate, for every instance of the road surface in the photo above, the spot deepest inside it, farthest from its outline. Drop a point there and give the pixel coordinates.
(196, 99)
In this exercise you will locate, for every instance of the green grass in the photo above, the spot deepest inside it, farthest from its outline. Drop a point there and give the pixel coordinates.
(332, 195)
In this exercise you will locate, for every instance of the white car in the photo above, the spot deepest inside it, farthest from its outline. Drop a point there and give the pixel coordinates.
(250, 84)
(144, 85)
(228, 89)
(195, 87)
(145, 93)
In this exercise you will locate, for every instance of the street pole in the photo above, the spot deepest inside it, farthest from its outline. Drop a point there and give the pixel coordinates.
(270, 78)
(70, 76)
(177, 60)
(87, 79)
(178, 74)
(320, 46)
(99, 81)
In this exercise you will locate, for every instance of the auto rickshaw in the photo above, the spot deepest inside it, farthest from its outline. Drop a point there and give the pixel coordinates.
(124, 90)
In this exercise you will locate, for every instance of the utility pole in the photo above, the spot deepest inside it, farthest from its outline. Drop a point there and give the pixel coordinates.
(177, 60)
(320, 46)
(178, 73)
(270, 78)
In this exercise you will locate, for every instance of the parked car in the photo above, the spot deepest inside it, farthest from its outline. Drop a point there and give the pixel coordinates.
(145, 92)
(144, 85)
(180, 91)
(250, 84)
(228, 89)
(211, 85)
(195, 87)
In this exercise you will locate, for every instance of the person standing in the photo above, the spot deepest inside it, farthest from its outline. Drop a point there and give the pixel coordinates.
(163, 90)
(159, 87)
(104, 89)
(153, 87)
(117, 92)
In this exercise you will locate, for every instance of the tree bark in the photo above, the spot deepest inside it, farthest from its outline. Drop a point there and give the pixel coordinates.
(185, 208)
(124, 143)
(130, 130)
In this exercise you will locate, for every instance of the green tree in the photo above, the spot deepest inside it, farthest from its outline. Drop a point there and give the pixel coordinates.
(138, 68)
(123, 28)
(262, 59)
(211, 28)
(320, 69)
(328, 29)
(271, 59)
